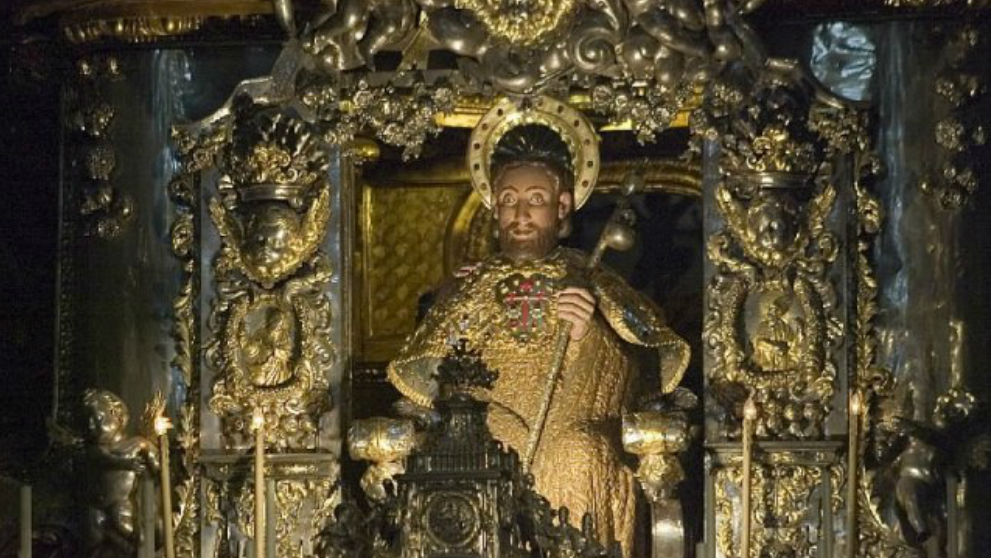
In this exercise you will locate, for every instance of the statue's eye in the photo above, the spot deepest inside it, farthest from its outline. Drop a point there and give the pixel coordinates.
(508, 199)
(537, 199)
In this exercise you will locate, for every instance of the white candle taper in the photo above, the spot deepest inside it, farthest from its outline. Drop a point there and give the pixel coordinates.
(270, 517)
(25, 532)
(750, 413)
(258, 425)
(957, 353)
(855, 409)
(149, 515)
(162, 426)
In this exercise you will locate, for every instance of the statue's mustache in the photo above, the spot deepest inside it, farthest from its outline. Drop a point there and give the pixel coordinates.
(527, 239)
(516, 227)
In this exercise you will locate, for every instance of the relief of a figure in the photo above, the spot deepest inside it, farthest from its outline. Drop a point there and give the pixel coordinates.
(778, 335)
(509, 307)
(267, 338)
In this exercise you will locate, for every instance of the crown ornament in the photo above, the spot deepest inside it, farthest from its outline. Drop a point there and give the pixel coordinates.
(274, 156)
(770, 144)
(273, 186)
(777, 156)
(777, 152)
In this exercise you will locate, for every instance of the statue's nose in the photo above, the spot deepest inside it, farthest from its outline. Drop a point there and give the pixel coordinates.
(521, 212)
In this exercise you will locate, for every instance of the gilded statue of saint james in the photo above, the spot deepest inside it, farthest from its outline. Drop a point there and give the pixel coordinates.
(533, 167)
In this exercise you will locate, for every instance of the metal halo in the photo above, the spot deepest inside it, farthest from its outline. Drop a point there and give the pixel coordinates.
(570, 124)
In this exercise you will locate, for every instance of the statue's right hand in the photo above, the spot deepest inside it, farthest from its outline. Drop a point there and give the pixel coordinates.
(424, 417)
(576, 305)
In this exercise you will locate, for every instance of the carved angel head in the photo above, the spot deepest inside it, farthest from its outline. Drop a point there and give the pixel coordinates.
(106, 415)
(773, 221)
(269, 240)
(271, 236)
(274, 198)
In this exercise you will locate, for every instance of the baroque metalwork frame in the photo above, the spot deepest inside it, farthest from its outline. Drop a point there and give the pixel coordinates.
(638, 66)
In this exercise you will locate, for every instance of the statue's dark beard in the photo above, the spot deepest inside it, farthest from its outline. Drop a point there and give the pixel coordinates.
(533, 248)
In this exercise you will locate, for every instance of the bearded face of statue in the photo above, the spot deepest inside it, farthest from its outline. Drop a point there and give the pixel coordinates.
(530, 210)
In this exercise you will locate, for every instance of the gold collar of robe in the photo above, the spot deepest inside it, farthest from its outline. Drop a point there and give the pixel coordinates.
(472, 311)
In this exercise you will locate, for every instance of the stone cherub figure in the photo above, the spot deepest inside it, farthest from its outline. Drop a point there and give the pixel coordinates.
(113, 462)
(533, 167)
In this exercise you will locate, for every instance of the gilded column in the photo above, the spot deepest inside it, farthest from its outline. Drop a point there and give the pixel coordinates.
(774, 318)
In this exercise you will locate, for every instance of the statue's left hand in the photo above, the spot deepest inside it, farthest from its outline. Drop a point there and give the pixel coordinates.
(576, 306)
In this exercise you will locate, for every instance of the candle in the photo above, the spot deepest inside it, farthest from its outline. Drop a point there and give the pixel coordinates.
(258, 424)
(750, 413)
(957, 353)
(854, 426)
(270, 517)
(25, 539)
(162, 426)
(148, 515)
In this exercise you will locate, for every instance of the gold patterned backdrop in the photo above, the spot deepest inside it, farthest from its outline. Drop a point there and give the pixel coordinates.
(405, 220)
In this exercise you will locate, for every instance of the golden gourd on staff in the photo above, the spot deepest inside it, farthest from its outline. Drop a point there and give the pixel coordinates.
(533, 166)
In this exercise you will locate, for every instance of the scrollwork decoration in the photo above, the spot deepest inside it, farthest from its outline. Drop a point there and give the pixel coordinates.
(772, 321)
(640, 62)
(848, 133)
(271, 344)
(196, 153)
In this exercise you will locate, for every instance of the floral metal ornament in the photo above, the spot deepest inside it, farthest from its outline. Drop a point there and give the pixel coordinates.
(105, 209)
(960, 132)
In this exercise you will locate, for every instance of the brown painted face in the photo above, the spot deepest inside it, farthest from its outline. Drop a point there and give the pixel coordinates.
(530, 209)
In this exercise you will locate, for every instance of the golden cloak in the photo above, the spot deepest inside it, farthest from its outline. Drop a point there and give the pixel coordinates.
(506, 310)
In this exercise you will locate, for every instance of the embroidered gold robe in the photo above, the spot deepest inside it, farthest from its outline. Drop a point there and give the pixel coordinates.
(508, 312)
